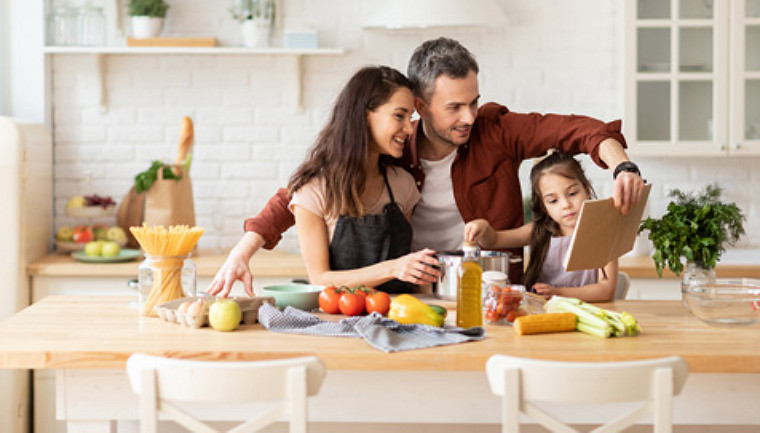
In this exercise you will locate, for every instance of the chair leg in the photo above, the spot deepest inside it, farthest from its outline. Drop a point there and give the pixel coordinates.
(297, 399)
(510, 410)
(663, 400)
(148, 401)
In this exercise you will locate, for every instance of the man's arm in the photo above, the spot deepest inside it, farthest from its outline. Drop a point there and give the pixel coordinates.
(628, 184)
(273, 220)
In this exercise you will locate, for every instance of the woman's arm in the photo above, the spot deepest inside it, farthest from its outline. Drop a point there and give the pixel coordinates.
(313, 239)
(601, 291)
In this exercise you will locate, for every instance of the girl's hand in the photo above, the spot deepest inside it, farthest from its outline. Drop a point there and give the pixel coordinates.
(234, 268)
(545, 290)
(480, 232)
(418, 268)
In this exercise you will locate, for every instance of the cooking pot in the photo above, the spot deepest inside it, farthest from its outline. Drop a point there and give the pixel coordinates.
(446, 287)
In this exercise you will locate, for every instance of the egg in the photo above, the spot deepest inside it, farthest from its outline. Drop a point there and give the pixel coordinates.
(182, 309)
(195, 308)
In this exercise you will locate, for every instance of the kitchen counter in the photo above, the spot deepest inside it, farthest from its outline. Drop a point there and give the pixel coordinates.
(734, 264)
(86, 341)
(265, 263)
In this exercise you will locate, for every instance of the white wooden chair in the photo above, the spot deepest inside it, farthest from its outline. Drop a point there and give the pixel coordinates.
(521, 381)
(623, 284)
(161, 382)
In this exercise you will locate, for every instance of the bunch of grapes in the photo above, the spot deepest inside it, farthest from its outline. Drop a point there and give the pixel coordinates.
(96, 200)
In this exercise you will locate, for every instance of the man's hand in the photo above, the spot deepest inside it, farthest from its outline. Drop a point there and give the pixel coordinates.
(627, 191)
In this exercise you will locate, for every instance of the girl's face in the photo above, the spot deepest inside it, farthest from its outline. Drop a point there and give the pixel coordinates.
(390, 125)
(562, 197)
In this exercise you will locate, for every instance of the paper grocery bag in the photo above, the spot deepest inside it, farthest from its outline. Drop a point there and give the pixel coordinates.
(167, 202)
(170, 201)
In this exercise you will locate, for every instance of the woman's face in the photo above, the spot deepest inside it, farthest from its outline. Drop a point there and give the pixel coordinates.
(562, 198)
(390, 124)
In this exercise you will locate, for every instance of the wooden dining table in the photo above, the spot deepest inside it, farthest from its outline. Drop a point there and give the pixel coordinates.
(87, 341)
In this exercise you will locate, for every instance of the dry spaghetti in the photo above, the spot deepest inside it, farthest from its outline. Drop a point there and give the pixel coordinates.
(166, 250)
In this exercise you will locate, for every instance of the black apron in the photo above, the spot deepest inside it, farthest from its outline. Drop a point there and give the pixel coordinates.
(369, 239)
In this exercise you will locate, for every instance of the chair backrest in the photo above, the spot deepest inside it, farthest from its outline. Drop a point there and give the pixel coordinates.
(161, 382)
(521, 380)
(623, 283)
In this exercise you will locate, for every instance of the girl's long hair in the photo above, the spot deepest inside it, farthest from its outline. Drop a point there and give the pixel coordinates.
(544, 227)
(339, 155)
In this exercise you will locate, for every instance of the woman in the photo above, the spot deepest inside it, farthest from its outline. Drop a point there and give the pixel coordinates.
(352, 209)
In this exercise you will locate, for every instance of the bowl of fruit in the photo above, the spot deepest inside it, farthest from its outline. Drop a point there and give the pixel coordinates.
(69, 239)
(90, 206)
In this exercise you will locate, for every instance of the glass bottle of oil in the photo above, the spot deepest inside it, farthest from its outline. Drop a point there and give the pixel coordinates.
(469, 278)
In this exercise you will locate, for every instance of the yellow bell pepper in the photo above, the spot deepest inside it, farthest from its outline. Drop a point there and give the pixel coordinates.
(407, 309)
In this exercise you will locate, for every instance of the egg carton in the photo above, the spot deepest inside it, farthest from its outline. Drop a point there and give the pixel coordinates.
(248, 306)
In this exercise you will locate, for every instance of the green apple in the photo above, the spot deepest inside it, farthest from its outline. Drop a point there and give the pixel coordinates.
(116, 234)
(100, 231)
(65, 234)
(93, 248)
(224, 315)
(110, 249)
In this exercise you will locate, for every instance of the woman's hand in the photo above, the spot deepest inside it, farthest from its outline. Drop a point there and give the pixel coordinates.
(237, 267)
(480, 232)
(418, 268)
(545, 290)
(234, 268)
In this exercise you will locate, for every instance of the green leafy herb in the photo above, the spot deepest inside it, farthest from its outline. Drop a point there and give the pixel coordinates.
(696, 227)
(145, 180)
(151, 8)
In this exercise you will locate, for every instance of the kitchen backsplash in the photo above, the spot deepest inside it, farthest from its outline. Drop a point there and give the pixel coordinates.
(250, 133)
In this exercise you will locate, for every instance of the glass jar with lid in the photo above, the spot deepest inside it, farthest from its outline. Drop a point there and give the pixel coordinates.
(62, 26)
(91, 24)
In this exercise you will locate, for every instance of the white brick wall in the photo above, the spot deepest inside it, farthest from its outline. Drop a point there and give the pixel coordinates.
(554, 56)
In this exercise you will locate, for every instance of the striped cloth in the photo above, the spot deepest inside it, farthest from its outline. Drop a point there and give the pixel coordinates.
(381, 333)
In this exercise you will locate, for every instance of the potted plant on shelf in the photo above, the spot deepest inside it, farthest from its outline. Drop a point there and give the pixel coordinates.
(147, 17)
(697, 228)
(256, 19)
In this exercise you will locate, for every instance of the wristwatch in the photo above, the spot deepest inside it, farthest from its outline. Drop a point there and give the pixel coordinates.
(626, 166)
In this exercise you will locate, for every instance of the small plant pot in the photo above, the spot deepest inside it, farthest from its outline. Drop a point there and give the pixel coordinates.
(146, 27)
(256, 33)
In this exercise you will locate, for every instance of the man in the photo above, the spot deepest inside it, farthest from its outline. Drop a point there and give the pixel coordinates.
(465, 160)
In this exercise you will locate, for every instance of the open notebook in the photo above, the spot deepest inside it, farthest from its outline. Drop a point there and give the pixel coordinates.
(603, 233)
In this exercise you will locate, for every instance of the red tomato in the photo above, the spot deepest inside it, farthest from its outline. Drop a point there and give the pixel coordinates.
(351, 304)
(328, 300)
(360, 291)
(511, 316)
(378, 301)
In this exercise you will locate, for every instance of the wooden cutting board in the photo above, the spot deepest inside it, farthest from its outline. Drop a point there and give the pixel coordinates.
(171, 42)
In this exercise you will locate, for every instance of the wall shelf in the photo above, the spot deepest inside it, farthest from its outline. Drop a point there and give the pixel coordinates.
(101, 51)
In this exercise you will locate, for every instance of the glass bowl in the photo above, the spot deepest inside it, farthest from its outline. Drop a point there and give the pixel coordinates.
(725, 302)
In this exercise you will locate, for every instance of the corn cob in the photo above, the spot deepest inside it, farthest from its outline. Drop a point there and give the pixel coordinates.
(548, 322)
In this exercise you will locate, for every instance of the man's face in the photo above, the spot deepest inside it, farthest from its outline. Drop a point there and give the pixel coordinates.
(452, 109)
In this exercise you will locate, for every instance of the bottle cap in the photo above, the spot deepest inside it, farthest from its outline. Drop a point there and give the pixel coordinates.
(469, 246)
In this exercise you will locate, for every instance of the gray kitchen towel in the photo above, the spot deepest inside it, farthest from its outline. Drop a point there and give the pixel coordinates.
(380, 332)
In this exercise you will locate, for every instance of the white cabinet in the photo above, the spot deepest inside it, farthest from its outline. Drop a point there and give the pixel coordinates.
(692, 77)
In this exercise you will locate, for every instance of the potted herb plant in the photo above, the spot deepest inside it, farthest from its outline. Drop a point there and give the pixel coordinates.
(256, 19)
(147, 17)
(697, 228)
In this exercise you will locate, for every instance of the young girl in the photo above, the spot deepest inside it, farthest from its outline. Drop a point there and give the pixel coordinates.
(559, 188)
(352, 209)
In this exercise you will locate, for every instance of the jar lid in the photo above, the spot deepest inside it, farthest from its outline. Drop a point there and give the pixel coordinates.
(494, 276)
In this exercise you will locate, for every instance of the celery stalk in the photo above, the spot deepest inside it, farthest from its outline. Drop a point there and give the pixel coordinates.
(593, 330)
(595, 320)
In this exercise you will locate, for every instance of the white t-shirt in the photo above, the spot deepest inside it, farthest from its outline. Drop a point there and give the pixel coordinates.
(312, 197)
(436, 221)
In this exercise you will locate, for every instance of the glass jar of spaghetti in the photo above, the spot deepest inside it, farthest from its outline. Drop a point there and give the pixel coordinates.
(164, 278)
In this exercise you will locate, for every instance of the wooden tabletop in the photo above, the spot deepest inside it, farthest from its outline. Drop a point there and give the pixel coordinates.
(265, 263)
(101, 332)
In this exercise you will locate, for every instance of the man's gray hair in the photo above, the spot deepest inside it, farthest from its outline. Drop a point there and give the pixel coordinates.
(436, 57)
